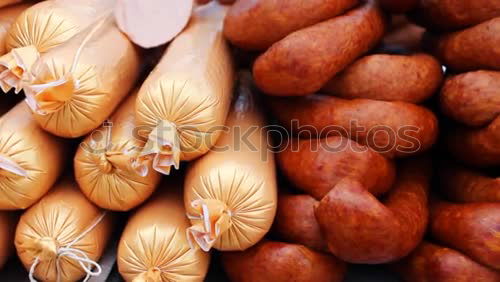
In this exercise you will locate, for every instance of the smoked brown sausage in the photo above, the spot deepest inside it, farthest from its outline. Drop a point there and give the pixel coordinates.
(316, 165)
(295, 221)
(271, 261)
(468, 49)
(305, 60)
(463, 185)
(257, 24)
(394, 129)
(412, 78)
(472, 98)
(478, 147)
(434, 263)
(473, 229)
(361, 229)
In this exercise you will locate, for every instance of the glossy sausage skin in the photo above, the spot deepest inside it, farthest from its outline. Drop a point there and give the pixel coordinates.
(361, 229)
(468, 49)
(442, 15)
(473, 229)
(295, 67)
(463, 185)
(412, 78)
(270, 261)
(394, 129)
(434, 263)
(295, 222)
(316, 165)
(472, 98)
(257, 24)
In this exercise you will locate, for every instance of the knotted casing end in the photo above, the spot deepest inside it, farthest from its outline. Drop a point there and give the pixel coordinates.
(162, 149)
(210, 220)
(48, 97)
(152, 275)
(16, 67)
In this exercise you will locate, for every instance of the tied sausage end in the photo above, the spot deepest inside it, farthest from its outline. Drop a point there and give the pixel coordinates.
(211, 219)
(162, 149)
(15, 67)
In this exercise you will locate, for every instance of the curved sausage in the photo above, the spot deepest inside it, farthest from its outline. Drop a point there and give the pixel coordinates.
(394, 129)
(271, 261)
(461, 50)
(441, 15)
(295, 67)
(257, 24)
(434, 263)
(361, 229)
(463, 185)
(316, 165)
(471, 228)
(295, 222)
(386, 77)
(472, 98)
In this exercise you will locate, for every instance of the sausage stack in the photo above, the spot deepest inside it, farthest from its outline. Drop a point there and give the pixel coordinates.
(355, 125)
(465, 221)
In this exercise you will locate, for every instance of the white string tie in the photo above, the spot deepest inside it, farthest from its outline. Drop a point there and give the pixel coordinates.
(75, 254)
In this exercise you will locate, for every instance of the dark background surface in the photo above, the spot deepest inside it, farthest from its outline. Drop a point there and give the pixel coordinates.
(15, 272)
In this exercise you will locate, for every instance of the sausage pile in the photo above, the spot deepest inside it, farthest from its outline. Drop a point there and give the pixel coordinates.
(464, 233)
(295, 138)
(359, 180)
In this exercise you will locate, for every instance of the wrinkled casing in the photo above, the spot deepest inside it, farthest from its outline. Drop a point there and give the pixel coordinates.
(104, 173)
(7, 17)
(241, 177)
(107, 70)
(192, 85)
(40, 154)
(155, 238)
(62, 216)
(48, 24)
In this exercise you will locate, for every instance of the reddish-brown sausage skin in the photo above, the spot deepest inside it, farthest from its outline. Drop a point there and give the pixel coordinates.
(316, 165)
(384, 77)
(398, 6)
(469, 49)
(305, 60)
(478, 147)
(257, 24)
(361, 229)
(295, 222)
(441, 15)
(472, 98)
(473, 229)
(394, 129)
(462, 185)
(433, 263)
(270, 261)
